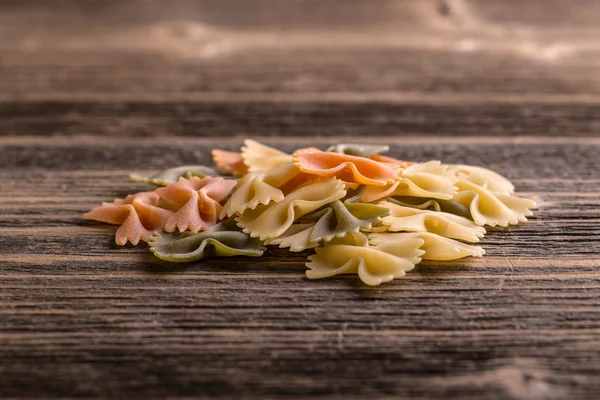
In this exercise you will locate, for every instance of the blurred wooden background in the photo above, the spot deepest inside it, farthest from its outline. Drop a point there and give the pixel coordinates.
(91, 90)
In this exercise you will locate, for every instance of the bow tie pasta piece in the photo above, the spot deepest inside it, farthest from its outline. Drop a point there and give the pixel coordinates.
(348, 168)
(488, 208)
(435, 247)
(261, 187)
(342, 218)
(259, 157)
(224, 240)
(229, 162)
(195, 202)
(173, 174)
(430, 179)
(335, 221)
(489, 179)
(391, 160)
(137, 214)
(444, 224)
(273, 220)
(358, 150)
(447, 206)
(352, 239)
(296, 238)
(373, 264)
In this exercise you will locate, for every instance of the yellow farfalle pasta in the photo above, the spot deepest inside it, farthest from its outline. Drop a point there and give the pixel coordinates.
(409, 219)
(258, 157)
(296, 238)
(273, 220)
(435, 247)
(430, 179)
(258, 188)
(489, 208)
(483, 177)
(373, 264)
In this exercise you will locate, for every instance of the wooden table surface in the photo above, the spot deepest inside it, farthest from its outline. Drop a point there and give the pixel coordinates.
(92, 90)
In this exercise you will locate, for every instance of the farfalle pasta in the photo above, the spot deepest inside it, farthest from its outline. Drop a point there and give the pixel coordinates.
(358, 211)
(223, 240)
(391, 160)
(447, 206)
(258, 157)
(489, 208)
(172, 175)
(262, 187)
(359, 150)
(268, 222)
(448, 225)
(435, 247)
(229, 162)
(335, 221)
(484, 177)
(373, 264)
(345, 167)
(195, 202)
(138, 214)
(188, 204)
(428, 180)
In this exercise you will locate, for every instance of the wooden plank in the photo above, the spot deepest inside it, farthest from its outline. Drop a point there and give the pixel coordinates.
(307, 15)
(103, 321)
(90, 91)
(285, 69)
(451, 47)
(391, 115)
(518, 158)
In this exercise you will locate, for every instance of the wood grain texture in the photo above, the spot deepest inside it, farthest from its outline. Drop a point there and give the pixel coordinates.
(100, 320)
(93, 90)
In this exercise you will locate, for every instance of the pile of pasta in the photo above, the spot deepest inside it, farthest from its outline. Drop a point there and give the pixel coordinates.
(359, 211)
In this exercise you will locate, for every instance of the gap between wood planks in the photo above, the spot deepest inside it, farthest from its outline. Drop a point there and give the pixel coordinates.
(310, 332)
(86, 139)
(484, 262)
(394, 97)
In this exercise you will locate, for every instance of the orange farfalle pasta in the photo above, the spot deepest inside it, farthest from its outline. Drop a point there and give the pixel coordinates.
(391, 160)
(345, 167)
(230, 162)
(195, 202)
(137, 214)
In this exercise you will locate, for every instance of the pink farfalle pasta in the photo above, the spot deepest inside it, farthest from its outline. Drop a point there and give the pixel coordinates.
(230, 162)
(345, 167)
(138, 215)
(195, 202)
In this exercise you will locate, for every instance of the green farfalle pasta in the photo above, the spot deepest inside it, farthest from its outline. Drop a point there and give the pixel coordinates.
(447, 206)
(224, 240)
(359, 150)
(173, 174)
(334, 221)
